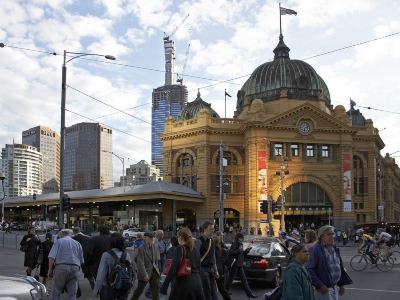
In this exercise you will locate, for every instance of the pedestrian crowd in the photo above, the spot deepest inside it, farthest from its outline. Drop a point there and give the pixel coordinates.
(199, 268)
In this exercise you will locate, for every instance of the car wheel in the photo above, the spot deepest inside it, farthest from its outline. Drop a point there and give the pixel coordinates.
(126, 234)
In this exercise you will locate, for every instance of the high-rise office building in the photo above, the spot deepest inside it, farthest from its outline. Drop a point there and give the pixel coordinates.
(22, 166)
(168, 100)
(87, 157)
(47, 142)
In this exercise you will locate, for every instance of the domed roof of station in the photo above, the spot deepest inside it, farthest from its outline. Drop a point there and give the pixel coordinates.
(192, 109)
(297, 77)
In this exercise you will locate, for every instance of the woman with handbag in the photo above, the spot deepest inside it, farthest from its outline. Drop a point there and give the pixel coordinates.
(185, 269)
(30, 244)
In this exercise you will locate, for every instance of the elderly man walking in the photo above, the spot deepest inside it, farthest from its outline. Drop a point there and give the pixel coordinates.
(147, 267)
(325, 266)
(65, 260)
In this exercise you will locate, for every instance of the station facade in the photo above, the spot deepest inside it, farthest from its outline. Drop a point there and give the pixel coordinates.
(284, 124)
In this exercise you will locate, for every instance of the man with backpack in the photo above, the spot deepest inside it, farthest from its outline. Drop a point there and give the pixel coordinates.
(115, 275)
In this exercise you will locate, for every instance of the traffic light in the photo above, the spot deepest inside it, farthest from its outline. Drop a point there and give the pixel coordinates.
(66, 202)
(274, 206)
(264, 207)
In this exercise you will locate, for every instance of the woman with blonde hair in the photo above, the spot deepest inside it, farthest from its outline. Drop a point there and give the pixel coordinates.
(187, 287)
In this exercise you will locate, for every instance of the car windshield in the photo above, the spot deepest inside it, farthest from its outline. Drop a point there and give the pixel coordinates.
(260, 249)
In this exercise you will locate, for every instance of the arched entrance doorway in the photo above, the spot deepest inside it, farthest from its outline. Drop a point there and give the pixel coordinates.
(308, 204)
(231, 218)
(186, 217)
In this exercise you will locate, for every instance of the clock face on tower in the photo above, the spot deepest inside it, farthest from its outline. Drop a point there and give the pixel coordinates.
(304, 127)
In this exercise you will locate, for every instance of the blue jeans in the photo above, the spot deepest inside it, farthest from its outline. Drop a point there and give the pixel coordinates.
(332, 294)
(65, 277)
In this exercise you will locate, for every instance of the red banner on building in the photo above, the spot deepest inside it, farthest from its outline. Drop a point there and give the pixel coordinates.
(262, 185)
(347, 182)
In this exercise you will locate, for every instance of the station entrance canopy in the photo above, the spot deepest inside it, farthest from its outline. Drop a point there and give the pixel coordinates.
(150, 191)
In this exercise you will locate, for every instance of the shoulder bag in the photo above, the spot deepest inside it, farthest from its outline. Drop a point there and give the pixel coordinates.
(185, 268)
(205, 254)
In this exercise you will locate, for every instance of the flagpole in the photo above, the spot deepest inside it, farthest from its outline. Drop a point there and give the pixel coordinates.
(280, 20)
(225, 103)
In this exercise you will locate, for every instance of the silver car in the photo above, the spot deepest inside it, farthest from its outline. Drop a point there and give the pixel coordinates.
(21, 287)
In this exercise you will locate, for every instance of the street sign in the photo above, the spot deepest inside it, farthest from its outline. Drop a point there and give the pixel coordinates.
(264, 221)
(380, 207)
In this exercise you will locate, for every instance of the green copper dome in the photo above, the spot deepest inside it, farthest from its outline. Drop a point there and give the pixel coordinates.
(192, 109)
(296, 76)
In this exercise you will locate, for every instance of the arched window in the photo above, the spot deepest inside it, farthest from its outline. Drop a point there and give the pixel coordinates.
(184, 160)
(230, 158)
(306, 194)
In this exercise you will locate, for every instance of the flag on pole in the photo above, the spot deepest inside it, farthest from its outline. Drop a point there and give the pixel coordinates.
(287, 11)
(352, 103)
(226, 94)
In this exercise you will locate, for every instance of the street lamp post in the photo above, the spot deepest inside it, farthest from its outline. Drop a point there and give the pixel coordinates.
(62, 133)
(122, 159)
(2, 177)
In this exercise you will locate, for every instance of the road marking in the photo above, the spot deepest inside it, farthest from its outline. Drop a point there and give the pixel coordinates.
(372, 290)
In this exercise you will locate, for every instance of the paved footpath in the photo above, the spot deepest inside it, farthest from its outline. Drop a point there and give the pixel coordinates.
(368, 285)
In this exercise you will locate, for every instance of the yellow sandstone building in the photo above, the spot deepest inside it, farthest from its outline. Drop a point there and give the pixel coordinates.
(286, 138)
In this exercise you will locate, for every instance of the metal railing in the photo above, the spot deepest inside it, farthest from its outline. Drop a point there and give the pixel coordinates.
(10, 240)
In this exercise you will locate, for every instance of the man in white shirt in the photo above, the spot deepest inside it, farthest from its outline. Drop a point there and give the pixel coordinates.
(386, 239)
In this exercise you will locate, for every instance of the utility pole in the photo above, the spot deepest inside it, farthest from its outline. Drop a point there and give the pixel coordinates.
(282, 172)
(221, 188)
(380, 184)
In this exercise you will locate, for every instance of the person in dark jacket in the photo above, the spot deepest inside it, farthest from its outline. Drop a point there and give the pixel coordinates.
(84, 240)
(325, 266)
(97, 246)
(174, 245)
(297, 281)
(188, 287)
(221, 253)
(208, 270)
(236, 254)
(30, 244)
(45, 248)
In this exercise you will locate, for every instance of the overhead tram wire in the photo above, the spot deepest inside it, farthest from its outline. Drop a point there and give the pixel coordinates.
(124, 109)
(199, 77)
(116, 129)
(113, 107)
(377, 109)
(154, 70)
(312, 56)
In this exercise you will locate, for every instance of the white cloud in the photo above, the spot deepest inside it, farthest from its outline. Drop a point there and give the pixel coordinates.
(150, 13)
(230, 38)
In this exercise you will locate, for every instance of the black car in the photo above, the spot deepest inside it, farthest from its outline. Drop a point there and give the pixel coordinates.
(266, 260)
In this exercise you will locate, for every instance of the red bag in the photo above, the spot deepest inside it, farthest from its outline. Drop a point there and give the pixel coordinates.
(185, 268)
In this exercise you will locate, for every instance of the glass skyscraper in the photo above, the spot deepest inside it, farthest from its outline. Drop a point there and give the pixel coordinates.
(166, 100)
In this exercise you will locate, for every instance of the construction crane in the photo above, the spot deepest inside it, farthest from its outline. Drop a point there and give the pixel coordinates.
(180, 77)
(166, 37)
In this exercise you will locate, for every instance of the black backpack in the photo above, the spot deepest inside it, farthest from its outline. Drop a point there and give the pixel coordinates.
(120, 277)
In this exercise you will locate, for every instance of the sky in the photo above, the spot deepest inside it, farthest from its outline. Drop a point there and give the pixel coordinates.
(228, 39)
